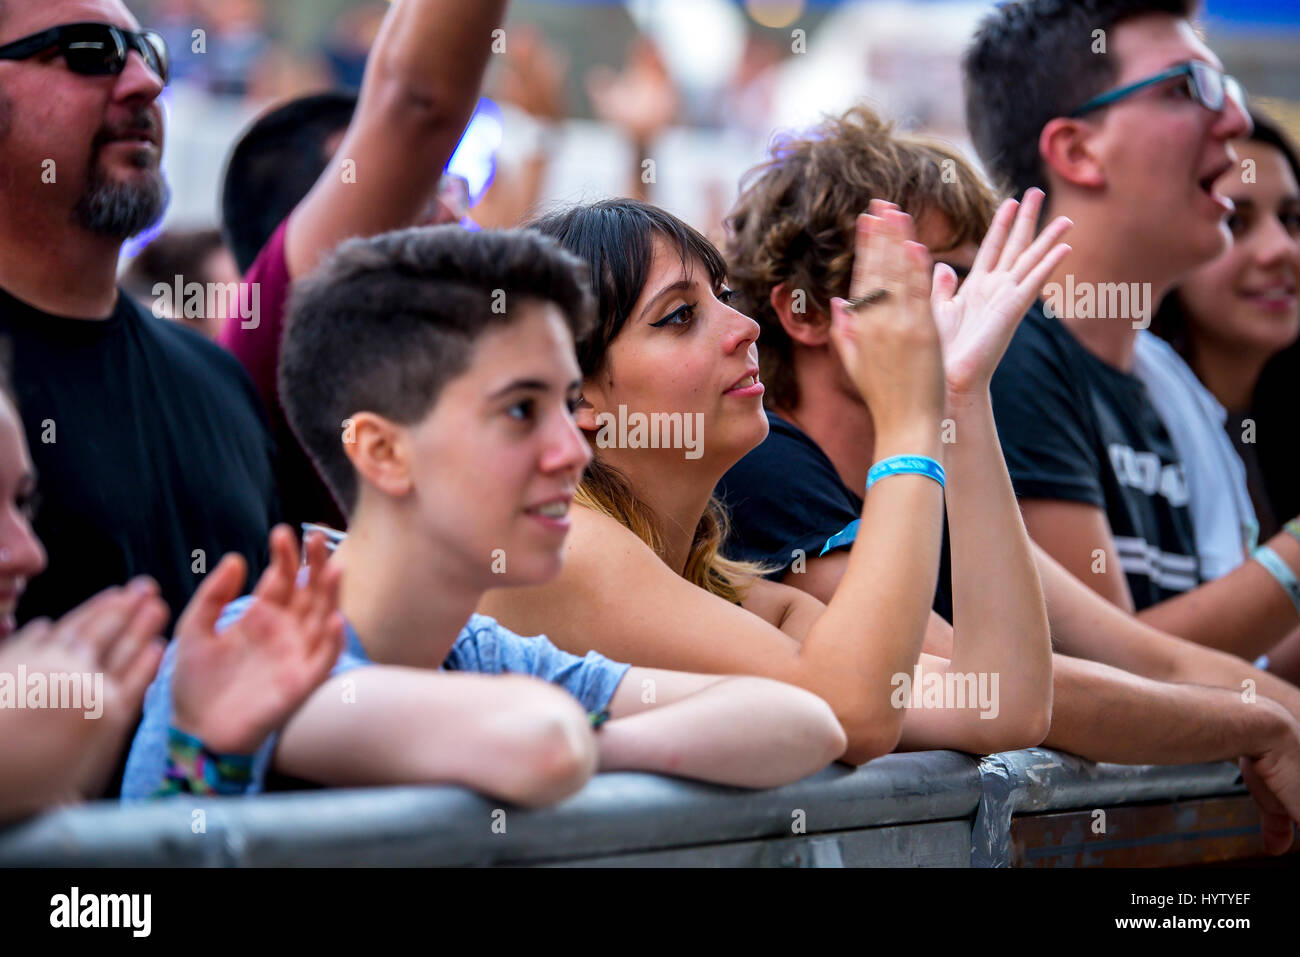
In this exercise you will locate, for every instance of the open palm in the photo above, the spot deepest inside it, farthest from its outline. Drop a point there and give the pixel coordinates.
(231, 690)
(976, 323)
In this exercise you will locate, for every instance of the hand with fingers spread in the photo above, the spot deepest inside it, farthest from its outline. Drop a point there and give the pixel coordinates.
(232, 690)
(976, 323)
(888, 341)
(55, 754)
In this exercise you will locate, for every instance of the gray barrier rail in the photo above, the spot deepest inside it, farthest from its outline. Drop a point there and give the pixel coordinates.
(1038, 780)
(923, 809)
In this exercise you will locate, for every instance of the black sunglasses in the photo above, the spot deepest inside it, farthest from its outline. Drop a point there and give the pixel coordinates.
(94, 49)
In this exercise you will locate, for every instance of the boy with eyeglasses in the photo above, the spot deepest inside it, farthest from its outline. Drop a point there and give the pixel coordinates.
(1122, 113)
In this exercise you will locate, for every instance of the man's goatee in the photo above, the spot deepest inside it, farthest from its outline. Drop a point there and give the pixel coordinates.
(121, 210)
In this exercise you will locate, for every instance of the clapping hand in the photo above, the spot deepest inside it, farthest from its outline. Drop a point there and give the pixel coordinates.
(57, 753)
(885, 335)
(976, 323)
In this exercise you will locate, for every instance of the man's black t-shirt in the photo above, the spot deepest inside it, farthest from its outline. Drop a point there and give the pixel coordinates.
(785, 500)
(151, 451)
(1077, 429)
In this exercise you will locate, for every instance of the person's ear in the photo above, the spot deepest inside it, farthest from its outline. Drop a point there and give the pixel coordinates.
(1070, 149)
(591, 403)
(803, 324)
(378, 449)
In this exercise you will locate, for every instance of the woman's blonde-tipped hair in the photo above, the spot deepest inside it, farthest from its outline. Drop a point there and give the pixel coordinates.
(606, 490)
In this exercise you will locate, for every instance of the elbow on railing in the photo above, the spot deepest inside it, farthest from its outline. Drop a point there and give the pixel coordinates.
(834, 739)
(822, 738)
(554, 761)
(1014, 729)
(543, 748)
(872, 732)
(809, 727)
(1039, 723)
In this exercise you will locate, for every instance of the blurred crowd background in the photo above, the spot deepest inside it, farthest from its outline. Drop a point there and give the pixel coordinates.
(584, 92)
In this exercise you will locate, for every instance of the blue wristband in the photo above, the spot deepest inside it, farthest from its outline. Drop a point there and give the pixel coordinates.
(1281, 572)
(905, 465)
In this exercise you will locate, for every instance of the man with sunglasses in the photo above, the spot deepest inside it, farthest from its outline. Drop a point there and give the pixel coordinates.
(150, 442)
(1123, 114)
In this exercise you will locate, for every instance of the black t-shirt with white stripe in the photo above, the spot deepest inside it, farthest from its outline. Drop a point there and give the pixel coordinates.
(1077, 429)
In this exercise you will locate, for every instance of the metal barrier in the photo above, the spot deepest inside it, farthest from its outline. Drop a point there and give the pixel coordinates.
(1039, 780)
(935, 808)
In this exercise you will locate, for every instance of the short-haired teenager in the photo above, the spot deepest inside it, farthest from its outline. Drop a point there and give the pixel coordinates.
(800, 488)
(1127, 130)
(430, 373)
(644, 579)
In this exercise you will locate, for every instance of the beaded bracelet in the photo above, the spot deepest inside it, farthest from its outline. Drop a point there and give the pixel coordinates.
(193, 769)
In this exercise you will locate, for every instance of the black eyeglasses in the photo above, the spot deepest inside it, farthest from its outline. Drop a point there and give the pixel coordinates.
(1210, 87)
(94, 49)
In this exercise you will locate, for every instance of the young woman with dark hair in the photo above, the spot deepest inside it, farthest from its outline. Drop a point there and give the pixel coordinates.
(643, 579)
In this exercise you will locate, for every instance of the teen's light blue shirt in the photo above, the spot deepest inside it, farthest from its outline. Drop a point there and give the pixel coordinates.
(482, 646)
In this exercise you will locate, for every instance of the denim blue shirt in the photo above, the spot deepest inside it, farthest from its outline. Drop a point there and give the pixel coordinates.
(483, 646)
